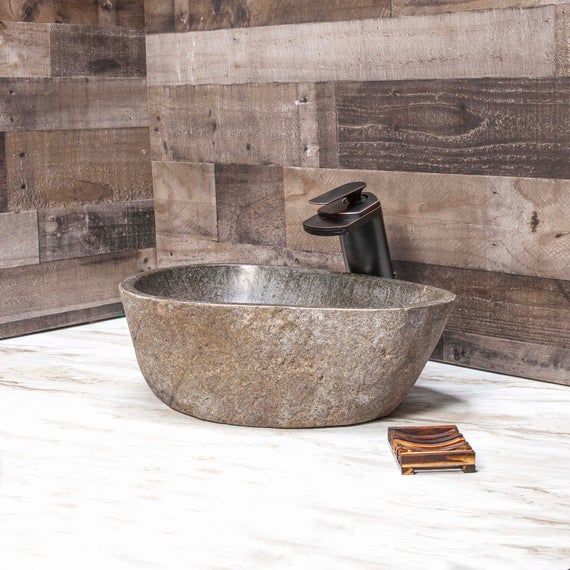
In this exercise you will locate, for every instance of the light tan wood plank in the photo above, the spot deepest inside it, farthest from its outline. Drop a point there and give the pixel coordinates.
(107, 12)
(247, 124)
(513, 225)
(416, 7)
(24, 49)
(563, 40)
(19, 239)
(34, 291)
(468, 44)
(47, 169)
(72, 103)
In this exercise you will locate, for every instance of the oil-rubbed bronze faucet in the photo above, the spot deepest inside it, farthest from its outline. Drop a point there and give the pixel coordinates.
(357, 218)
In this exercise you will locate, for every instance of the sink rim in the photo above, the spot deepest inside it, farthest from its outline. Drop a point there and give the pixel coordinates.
(128, 286)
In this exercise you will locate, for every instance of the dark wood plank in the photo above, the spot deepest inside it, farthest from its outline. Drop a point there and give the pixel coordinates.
(47, 169)
(84, 51)
(94, 230)
(19, 239)
(72, 103)
(250, 204)
(512, 307)
(248, 124)
(536, 361)
(479, 126)
(159, 16)
(33, 291)
(130, 13)
(3, 177)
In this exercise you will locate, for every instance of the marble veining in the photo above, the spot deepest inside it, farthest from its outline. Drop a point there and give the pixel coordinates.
(95, 470)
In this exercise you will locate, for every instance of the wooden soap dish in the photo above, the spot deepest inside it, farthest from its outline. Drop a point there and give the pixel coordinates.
(430, 447)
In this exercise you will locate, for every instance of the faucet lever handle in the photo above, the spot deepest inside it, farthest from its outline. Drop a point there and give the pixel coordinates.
(351, 191)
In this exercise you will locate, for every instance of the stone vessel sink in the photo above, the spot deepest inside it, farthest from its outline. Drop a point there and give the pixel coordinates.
(279, 346)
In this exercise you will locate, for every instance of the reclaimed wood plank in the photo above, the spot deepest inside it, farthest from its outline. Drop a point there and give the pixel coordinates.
(24, 50)
(3, 174)
(512, 225)
(505, 127)
(106, 12)
(83, 231)
(562, 54)
(536, 361)
(33, 291)
(467, 44)
(246, 124)
(159, 16)
(416, 7)
(19, 239)
(89, 51)
(249, 204)
(72, 103)
(512, 307)
(185, 204)
(130, 13)
(47, 169)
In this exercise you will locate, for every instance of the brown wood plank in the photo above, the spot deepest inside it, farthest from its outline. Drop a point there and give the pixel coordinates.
(24, 50)
(86, 51)
(72, 103)
(83, 231)
(246, 124)
(249, 204)
(19, 239)
(504, 127)
(512, 307)
(33, 291)
(57, 168)
(465, 44)
(159, 16)
(562, 54)
(61, 319)
(130, 13)
(3, 181)
(107, 12)
(537, 361)
(512, 225)
(415, 7)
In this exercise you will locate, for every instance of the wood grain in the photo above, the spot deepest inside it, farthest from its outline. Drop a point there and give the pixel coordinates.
(514, 225)
(468, 44)
(479, 126)
(415, 7)
(72, 103)
(83, 231)
(249, 204)
(3, 181)
(130, 13)
(537, 361)
(24, 50)
(195, 15)
(106, 12)
(34, 291)
(85, 51)
(234, 124)
(185, 205)
(513, 307)
(562, 54)
(57, 168)
(19, 239)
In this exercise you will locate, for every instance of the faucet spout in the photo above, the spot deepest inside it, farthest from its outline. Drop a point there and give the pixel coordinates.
(355, 217)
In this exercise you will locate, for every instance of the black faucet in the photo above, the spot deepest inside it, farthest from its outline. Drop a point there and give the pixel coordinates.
(357, 218)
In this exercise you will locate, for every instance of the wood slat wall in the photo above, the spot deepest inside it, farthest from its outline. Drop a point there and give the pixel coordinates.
(76, 209)
(456, 114)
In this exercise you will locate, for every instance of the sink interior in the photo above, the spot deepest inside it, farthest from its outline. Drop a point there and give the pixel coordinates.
(284, 286)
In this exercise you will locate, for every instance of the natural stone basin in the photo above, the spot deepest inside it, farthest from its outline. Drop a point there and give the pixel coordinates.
(279, 346)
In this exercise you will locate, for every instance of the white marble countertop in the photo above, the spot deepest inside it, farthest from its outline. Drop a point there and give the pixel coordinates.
(94, 470)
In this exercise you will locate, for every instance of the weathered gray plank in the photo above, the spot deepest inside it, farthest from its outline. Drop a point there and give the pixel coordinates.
(513, 307)
(246, 124)
(65, 103)
(3, 182)
(508, 127)
(513, 225)
(185, 205)
(19, 239)
(84, 51)
(467, 44)
(185, 15)
(415, 7)
(83, 231)
(249, 203)
(47, 169)
(562, 54)
(537, 361)
(24, 50)
(32, 291)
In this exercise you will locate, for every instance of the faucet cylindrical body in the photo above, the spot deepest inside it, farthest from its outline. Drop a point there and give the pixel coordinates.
(365, 249)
